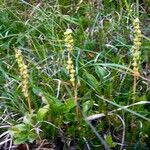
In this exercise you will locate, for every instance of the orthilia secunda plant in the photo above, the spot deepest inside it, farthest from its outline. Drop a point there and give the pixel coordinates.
(24, 77)
(70, 67)
(136, 51)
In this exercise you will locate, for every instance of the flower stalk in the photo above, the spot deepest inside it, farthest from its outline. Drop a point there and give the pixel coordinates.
(24, 77)
(136, 51)
(70, 67)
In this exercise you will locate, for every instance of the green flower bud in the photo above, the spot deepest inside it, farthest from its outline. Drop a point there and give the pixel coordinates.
(72, 79)
(72, 71)
(134, 64)
(69, 62)
(68, 31)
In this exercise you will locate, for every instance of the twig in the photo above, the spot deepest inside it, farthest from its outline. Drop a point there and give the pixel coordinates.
(123, 133)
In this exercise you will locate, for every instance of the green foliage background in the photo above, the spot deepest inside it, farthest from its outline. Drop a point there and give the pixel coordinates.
(102, 32)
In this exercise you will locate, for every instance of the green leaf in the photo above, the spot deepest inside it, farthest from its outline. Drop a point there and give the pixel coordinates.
(22, 127)
(109, 141)
(100, 71)
(28, 118)
(32, 136)
(69, 104)
(91, 80)
(20, 139)
(86, 106)
(42, 112)
(13, 131)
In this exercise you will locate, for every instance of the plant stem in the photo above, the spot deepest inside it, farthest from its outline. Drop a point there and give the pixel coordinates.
(29, 105)
(137, 8)
(134, 85)
(76, 102)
